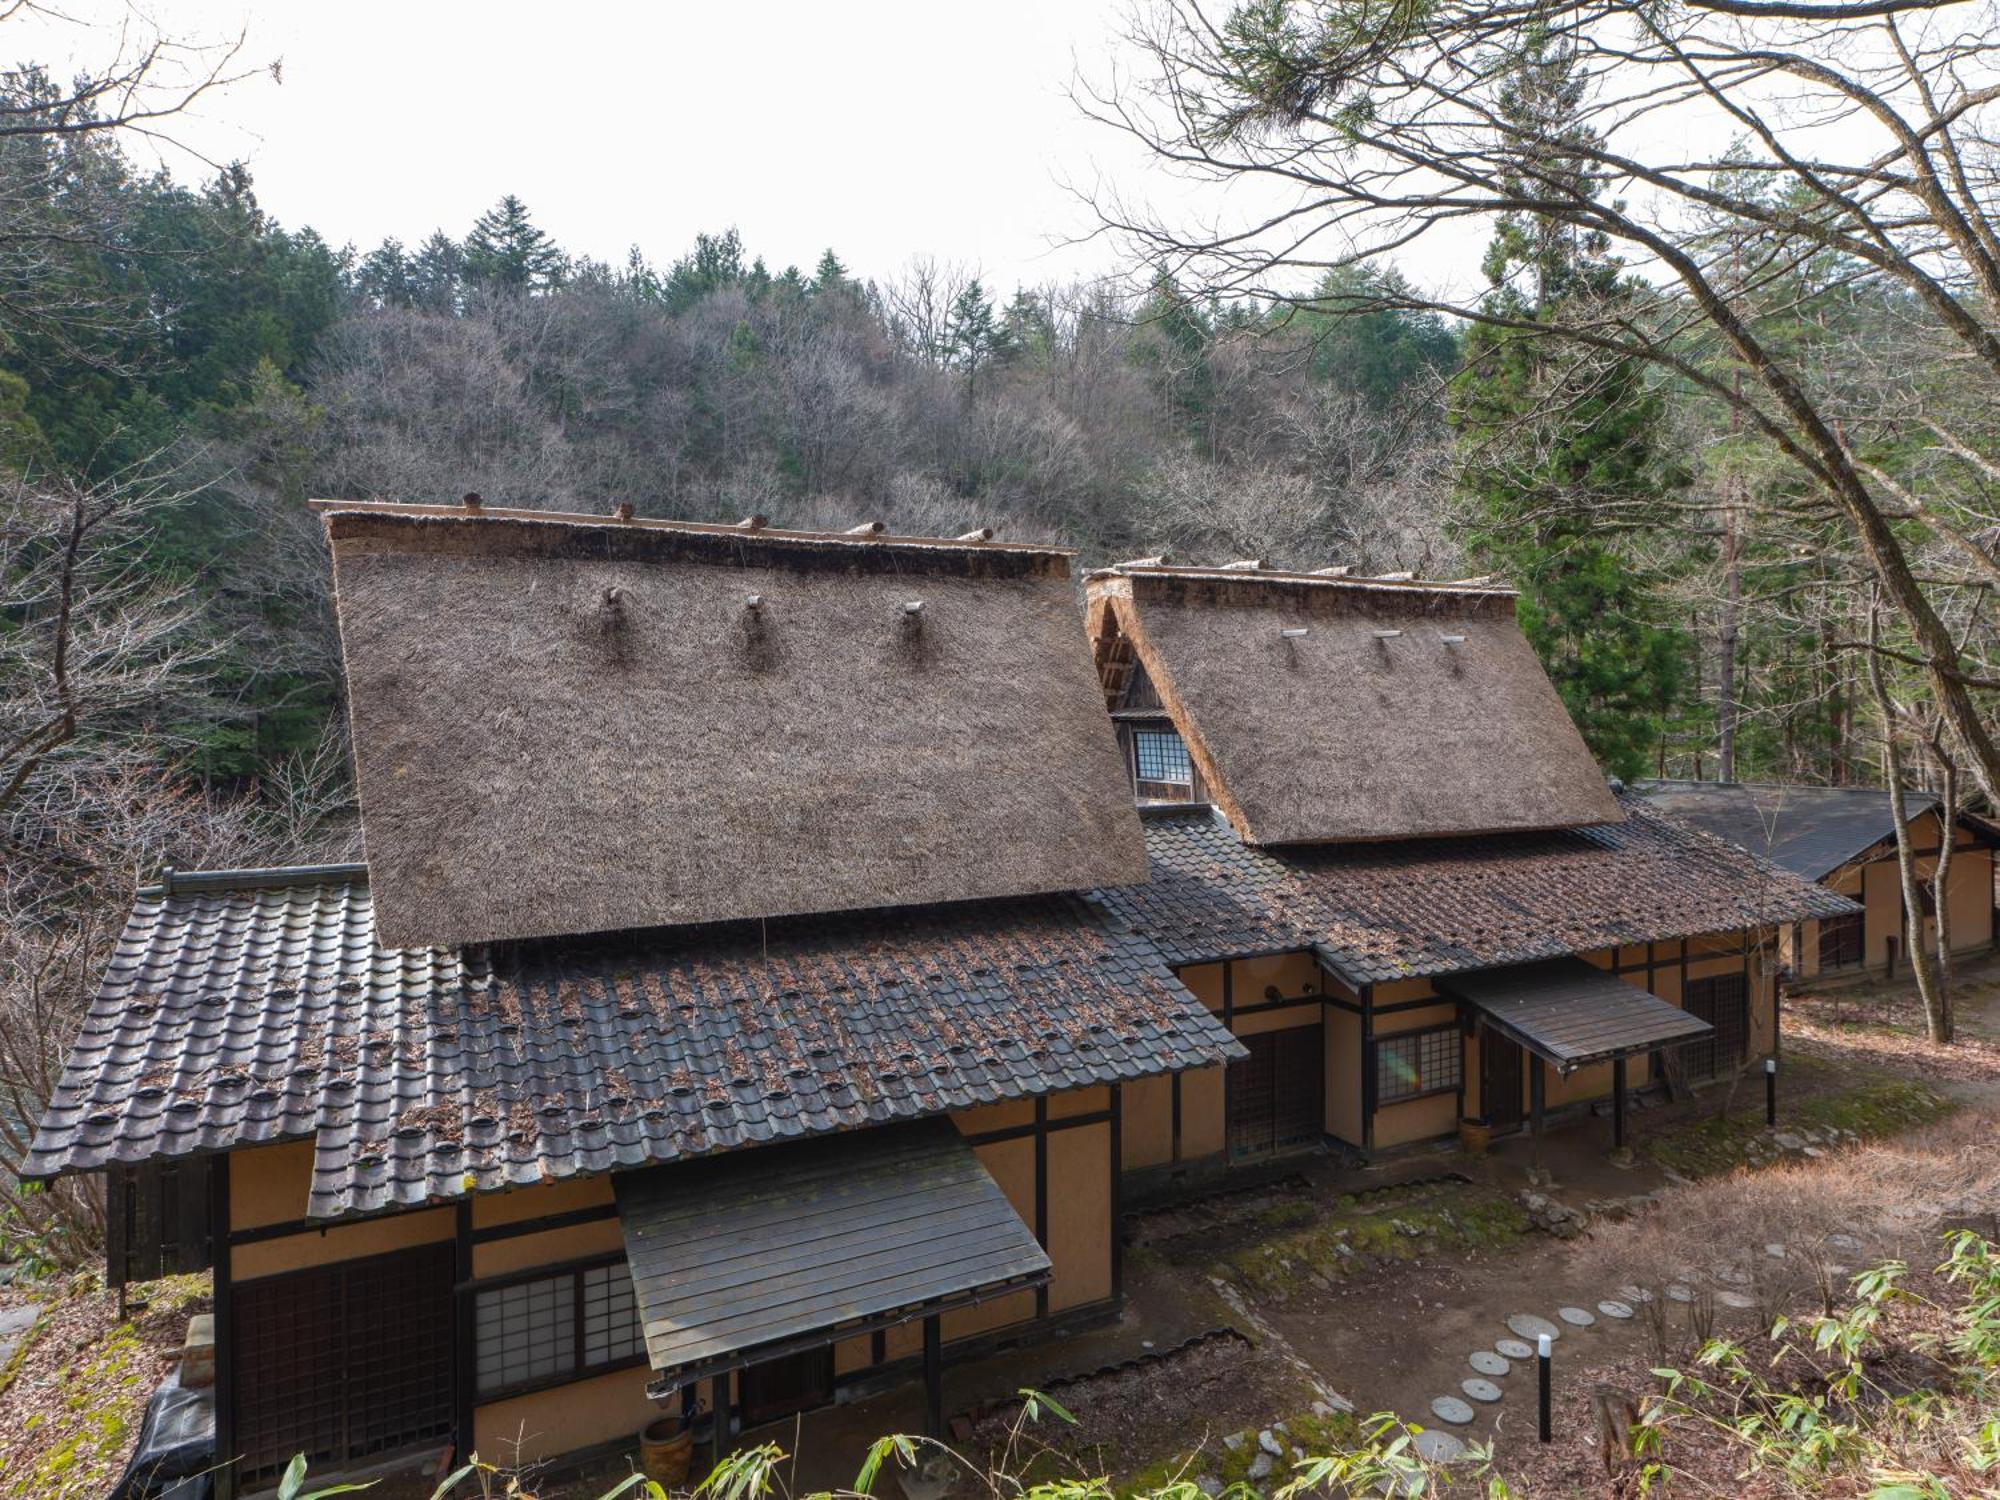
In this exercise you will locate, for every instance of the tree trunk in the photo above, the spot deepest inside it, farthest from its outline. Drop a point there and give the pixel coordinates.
(1941, 875)
(1937, 1013)
(1725, 646)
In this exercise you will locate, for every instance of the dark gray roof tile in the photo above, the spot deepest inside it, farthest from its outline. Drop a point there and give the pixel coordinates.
(233, 1017)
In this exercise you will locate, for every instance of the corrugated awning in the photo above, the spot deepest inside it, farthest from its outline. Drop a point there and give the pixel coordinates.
(1572, 1012)
(761, 1253)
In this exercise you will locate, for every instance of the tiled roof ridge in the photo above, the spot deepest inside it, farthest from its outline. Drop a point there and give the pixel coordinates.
(175, 882)
(1775, 786)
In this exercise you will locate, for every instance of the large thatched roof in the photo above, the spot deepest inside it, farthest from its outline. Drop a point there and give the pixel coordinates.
(1322, 709)
(574, 725)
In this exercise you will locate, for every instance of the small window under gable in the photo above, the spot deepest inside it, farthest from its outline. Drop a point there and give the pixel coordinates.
(1161, 769)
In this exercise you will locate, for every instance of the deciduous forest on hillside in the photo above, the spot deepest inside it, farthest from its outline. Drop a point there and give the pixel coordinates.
(1727, 424)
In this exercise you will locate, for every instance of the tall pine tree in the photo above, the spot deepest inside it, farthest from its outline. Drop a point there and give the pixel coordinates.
(1560, 458)
(508, 250)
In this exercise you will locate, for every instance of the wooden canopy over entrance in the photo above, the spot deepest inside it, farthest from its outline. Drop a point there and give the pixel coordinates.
(756, 1255)
(1571, 1014)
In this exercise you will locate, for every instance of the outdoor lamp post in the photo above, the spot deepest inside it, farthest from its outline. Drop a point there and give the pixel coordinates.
(1770, 1091)
(1544, 1347)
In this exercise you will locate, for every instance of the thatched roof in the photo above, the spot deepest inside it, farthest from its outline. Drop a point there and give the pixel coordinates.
(1323, 708)
(569, 724)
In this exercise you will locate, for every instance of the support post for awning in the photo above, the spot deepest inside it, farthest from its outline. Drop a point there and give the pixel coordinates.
(1538, 1088)
(933, 1377)
(1617, 1104)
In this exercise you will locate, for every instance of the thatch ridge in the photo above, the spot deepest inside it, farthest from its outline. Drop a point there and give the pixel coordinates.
(578, 727)
(1386, 712)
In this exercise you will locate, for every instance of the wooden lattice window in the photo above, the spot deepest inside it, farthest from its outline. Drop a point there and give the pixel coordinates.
(1840, 940)
(1417, 1063)
(343, 1363)
(1723, 1002)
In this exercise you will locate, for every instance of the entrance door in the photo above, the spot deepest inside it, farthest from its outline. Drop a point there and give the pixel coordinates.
(1723, 1002)
(779, 1387)
(1277, 1095)
(1500, 1080)
(343, 1363)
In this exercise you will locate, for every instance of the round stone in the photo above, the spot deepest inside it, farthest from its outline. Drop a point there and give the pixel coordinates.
(1737, 1300)
(1437, 1447)
(1530, 1327)
(1480, 1389)
(1486, 1362)
(1775, 1250)
(1514, 1348)
(1576, 1317)
(1636, 1295)
(1610, 1309)
(1679, 1293)
(1845, 1242)
(1451, 1409)
(1732, 1276)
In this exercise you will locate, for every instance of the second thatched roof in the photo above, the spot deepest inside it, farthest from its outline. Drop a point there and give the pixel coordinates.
(1322, 709)
(567, 725)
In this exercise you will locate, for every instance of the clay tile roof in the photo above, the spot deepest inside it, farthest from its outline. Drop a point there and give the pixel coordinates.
(1413, 907)
(233, 1017)
(1323, 708)
(575, 724)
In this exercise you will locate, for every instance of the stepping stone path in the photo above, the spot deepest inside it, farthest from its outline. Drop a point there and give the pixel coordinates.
(1845, 1242)
(1737, 1300)
(1528, 1326)
(1480, 1390)
(1437, 1447)
(14, 1325)
(1679, 1293)
(1636, 1295)
(1451, 1409)
(1732, 1276)
(1486, 1362)
(1514, 1348)
(1576, 1317)
(1619, 1310)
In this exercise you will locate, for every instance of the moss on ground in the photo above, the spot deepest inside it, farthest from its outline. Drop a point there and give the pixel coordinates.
(1870, 1110)
(98, 1400)
(1306, 1435)
(1333, 1245)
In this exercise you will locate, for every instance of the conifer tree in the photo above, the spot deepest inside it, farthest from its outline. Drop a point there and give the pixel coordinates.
(1563, 456)
(508, 250)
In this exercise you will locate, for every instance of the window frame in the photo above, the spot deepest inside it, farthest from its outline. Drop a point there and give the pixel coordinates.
(1138, 757)
(1416, 1037)
(580, 1369)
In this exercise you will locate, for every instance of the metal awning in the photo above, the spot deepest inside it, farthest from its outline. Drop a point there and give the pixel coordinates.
(770, 1251)
(1573, 1013)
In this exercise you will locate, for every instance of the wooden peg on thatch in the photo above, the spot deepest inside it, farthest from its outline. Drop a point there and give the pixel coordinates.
(978, 534)
(1403, 577)
(1340, 570)
(754, 523)
(1145, 562)
(866, 528)
(622, 511)
(1244, 565)
(472, 502)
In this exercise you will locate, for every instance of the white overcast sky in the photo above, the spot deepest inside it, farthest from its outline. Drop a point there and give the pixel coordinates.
(881, 128)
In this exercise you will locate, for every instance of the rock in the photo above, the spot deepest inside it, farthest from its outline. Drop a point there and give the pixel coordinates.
(1775, 1250)
(1437, 1447)
(1233, 1442)
(1281, 1430)
(1270, 1444)
(1261, 1467)
(1209, 1485)
(1814, 1152)
(1784, 1140)
(1480, 1389)
(1321, 1409)
(1451, 1409)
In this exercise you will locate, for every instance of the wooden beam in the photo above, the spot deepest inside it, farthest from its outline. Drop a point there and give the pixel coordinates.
(1618, 1104)
(1538, 1085)
(225, 1334)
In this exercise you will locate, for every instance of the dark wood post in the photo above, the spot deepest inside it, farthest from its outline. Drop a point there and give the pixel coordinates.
(933, 1377)
(1118, 1193)
(1618, 1104)
(1537, 1091)
(225, 1332)
(465, 1355)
